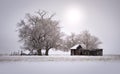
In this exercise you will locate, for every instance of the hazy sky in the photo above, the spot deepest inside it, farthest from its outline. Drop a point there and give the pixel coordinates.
(100, 17)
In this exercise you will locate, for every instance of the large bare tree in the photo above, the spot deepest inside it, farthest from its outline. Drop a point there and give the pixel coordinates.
(39, 32)
(90, 41)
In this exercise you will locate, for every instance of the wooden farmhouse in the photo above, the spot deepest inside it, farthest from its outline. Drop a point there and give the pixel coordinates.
(79, 50)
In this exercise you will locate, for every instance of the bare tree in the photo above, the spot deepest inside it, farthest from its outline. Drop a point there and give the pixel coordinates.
(90, 41)
(39, 32)
(69, 41)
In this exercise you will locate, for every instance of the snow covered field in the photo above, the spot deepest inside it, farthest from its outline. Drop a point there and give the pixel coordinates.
(59, 58)
(60, 65)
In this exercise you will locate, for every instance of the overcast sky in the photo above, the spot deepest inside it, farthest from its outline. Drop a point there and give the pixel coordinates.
(100, 17)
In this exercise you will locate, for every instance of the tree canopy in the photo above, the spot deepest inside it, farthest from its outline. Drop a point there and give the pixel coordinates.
(85, 38)
(39, 32)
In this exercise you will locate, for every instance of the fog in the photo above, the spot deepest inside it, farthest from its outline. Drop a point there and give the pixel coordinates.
(101, 18)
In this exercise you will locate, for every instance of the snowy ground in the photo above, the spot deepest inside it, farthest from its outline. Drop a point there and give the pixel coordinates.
(59, 58)
(76, 67)
(60, 64)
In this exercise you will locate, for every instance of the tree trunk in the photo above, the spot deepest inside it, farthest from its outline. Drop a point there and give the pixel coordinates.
(39, 52)
(46, 52)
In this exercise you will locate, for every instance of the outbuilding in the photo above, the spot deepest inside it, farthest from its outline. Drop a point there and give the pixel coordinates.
(79, 50)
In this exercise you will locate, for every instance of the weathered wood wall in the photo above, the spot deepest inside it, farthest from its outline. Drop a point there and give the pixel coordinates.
(93, 52)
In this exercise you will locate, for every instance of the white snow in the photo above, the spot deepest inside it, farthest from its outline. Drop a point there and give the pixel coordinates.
(58, 53)
(75, 46)
(77, 67)
(26, 52)
(108, 64)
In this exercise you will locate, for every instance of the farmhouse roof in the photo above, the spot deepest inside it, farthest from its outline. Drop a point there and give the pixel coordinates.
(78, 45)
(75, 46)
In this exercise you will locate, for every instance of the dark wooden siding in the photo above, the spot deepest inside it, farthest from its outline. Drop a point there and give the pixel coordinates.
(94, 52)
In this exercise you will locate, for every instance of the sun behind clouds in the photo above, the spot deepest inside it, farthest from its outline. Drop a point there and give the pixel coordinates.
(74, 14)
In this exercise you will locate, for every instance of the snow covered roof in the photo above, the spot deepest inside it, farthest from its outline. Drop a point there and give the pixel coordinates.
(78, 45)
